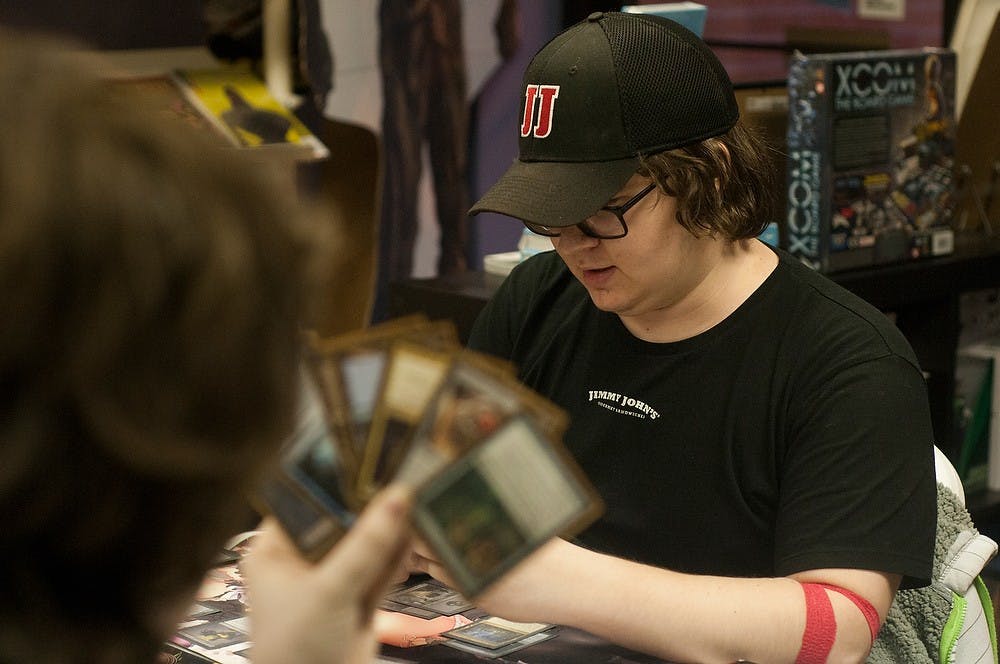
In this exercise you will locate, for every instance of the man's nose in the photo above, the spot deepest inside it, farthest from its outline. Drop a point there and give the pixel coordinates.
(572, 237)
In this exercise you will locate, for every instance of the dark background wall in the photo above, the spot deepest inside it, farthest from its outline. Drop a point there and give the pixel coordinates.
(111, 24)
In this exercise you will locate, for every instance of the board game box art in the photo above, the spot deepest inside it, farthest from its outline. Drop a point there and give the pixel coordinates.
(871, 157)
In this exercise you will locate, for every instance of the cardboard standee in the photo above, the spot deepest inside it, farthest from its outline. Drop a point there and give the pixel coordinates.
(977, 146)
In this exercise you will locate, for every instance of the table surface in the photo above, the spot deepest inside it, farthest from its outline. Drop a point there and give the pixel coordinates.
(569, 646)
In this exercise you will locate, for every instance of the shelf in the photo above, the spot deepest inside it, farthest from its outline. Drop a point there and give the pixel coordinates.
(974, 265)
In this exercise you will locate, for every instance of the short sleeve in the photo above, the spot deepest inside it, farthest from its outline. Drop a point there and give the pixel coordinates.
(857, 482)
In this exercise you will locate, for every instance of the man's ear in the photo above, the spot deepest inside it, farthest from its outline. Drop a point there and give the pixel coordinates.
(725, 151)
(719, 145)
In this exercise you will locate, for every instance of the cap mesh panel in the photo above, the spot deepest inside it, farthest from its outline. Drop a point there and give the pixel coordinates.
(673, 93)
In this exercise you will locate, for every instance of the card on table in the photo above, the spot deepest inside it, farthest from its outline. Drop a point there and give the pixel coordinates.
(200, 611)
(493, 653)
(430, 596)
(174, 654)
(416, 611)
(214, 635)
(492, 632)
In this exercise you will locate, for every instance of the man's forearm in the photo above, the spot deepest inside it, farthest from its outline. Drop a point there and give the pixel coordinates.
(680, 617)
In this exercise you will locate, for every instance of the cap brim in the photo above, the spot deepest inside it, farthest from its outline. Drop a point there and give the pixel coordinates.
(556, 193)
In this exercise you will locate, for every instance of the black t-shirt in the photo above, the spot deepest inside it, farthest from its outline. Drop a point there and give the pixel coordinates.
(793, 435)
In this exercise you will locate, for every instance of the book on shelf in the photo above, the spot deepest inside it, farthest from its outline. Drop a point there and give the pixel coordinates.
(239, 105)
(871, 144)
(689, 14)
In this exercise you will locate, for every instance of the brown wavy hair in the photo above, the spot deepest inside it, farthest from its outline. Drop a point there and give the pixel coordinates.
(154, 285)
(724, 186)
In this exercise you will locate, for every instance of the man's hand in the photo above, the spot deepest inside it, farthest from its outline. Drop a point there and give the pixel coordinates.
(523, 594)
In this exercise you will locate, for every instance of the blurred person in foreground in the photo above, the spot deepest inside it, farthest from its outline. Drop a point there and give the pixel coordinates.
(154, 289)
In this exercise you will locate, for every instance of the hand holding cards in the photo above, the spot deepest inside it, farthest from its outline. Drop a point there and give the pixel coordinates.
(403, 402)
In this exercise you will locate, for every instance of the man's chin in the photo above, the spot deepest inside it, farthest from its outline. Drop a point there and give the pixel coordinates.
(605, 301)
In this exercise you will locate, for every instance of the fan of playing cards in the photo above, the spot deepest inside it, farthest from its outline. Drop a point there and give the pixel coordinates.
(404, 402)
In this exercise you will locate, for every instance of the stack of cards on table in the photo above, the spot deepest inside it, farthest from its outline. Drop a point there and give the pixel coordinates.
(425, 599)
(494, 637)
(404, 402)
(487, 635)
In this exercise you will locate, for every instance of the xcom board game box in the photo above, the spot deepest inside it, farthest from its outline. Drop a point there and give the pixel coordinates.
(871, 144)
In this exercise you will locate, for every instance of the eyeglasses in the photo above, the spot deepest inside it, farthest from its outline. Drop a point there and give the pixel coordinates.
(608, 223)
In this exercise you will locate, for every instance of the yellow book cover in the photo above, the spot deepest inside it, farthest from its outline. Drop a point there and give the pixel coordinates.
(238, 102)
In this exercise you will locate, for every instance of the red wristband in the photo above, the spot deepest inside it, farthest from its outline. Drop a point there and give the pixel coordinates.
(866, 608)
(821, 626)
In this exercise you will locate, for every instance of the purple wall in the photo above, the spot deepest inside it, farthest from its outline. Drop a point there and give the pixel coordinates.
(767, 22)
(497, 117)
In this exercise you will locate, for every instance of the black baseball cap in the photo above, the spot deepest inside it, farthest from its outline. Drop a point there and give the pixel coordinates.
(598, 95)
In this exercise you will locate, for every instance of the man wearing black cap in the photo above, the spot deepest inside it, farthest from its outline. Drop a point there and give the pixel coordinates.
(760, 436)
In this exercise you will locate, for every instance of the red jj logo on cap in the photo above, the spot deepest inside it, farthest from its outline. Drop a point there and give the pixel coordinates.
(546, 96)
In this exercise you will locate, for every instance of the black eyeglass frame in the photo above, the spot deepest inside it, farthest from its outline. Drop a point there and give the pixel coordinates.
(618, 210)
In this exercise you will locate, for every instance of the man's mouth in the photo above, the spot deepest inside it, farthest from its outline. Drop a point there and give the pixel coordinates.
(596, 277)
